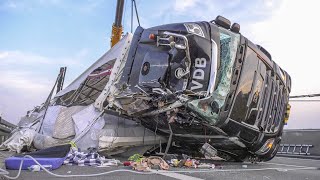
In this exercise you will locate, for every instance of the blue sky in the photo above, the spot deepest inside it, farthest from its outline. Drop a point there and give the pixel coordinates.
(39, 36)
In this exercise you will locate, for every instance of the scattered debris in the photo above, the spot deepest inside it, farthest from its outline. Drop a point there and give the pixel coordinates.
(206, 166)
(208, 151)
(88, 159)
(152, 162)
(136, 158)
(36, 168)
(157, 161)
(188, 163)
(174, 162)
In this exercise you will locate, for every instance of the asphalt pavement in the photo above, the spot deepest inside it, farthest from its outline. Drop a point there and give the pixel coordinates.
(278, 168)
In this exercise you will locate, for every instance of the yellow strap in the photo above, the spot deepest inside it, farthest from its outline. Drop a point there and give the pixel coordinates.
(73, 144)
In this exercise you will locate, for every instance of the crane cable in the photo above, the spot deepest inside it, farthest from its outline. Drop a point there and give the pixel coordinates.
(131, 16)
(134, 5)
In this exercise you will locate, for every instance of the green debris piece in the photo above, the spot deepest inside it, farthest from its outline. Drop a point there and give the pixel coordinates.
(136, 158)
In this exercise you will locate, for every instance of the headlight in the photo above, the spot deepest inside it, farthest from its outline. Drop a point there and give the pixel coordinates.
(266, 147)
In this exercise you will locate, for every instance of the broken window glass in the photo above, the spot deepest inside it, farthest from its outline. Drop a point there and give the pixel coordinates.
(229, 42)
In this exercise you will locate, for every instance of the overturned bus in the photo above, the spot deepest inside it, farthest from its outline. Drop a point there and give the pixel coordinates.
(199, 83)
(193, 83)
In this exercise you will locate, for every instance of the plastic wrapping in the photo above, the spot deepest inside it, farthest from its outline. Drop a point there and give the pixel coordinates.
(81, 120)
(19, 139)
(50, 119)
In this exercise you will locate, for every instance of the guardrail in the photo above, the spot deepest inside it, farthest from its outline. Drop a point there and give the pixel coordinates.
(297, 149)
(300, 143)
(5, 129)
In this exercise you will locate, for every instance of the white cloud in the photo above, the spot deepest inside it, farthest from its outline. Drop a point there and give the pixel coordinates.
(25, 81)
(20, 57)
(269, 3)
(14, 57)
(184, 5)
(27, 78)
(21, 91)
(4, 55)
(85, 7)
(206, 10)
(290, 35)
(90, 6)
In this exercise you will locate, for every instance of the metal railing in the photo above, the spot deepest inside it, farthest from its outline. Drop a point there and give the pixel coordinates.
(296, 149)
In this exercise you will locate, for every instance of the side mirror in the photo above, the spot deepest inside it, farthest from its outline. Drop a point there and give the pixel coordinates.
(222, 21)
(235, 27)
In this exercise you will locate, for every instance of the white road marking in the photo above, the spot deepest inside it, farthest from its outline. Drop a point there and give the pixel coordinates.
(176, 175)
(298, 159)
(231, 170)
(291, 165)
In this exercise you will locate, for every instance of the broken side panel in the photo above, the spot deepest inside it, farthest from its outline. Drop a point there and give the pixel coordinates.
(86, 88)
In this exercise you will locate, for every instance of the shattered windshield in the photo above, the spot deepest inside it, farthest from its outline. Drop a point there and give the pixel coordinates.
(228, 48)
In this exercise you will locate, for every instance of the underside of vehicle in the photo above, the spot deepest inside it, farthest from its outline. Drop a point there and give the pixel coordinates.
(202, 82)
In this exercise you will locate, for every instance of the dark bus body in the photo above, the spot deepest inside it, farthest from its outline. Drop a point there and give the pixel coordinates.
(204, 82)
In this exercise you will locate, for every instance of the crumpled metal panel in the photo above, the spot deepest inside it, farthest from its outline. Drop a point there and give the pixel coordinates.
(64, 126)
(113, 53)
(115, 73)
